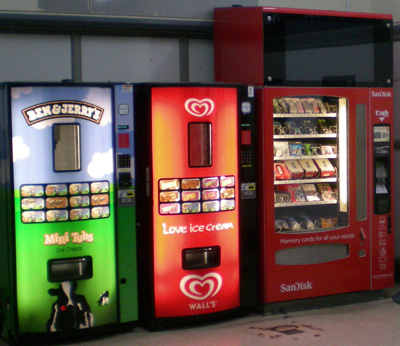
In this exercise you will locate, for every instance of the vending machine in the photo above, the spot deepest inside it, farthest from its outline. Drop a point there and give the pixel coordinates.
(68, 242)
(198, 197)
(325, 113)
(329, 227)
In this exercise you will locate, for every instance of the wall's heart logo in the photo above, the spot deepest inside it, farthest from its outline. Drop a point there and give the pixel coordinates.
(199, 108)
(201, 287)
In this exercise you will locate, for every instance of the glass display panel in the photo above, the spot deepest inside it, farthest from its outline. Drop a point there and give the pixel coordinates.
(310, 163)
(67, 147)
(200, 151)
(305, 50)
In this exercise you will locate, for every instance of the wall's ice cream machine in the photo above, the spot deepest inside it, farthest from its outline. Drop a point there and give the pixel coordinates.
(325, 112)
(68, 247)
(197, 174)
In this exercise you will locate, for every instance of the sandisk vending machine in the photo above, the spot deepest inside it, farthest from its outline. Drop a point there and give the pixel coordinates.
(197, 182)
(68, 248)
(329, 228)
(325, 106)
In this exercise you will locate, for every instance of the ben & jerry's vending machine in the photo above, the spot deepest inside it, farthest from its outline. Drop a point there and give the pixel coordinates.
(68, 248)
(325, 116)
(197, 193)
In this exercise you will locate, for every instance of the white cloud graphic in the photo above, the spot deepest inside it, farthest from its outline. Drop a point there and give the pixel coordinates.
(102, 164)
(45, 123)
(101, 96)
(20, 150)
(17, 92)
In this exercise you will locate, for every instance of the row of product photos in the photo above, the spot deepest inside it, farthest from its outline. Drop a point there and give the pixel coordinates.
(62, 202)
(296, 193)
(283, 149)
(196, 195)
(303, 169)
(309, 105)
(305, 127)
(303, 222)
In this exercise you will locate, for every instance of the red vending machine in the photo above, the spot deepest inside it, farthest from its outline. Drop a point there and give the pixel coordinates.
(196, 187)
(325, 107)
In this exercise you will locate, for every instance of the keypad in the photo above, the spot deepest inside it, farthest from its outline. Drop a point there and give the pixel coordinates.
(124, 160)
(246, 157)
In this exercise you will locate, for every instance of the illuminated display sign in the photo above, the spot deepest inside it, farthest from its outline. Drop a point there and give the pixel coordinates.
(48, 110)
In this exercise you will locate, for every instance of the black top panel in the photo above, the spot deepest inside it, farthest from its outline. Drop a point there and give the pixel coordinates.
(314, 50)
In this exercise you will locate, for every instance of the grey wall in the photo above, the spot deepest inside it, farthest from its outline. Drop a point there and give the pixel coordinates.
(193, 9)
(49, 57)
(34, 57)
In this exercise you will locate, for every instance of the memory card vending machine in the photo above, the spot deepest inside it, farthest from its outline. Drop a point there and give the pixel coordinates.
(68, 248)
(197, 211)
(325, 116)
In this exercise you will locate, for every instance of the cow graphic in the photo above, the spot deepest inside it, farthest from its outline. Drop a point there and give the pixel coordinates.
(70, 311)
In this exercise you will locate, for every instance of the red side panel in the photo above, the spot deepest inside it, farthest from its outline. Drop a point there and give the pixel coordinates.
(238, 42)
(382, 237)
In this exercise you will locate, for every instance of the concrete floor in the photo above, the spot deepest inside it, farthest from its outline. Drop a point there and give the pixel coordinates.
(371, 323)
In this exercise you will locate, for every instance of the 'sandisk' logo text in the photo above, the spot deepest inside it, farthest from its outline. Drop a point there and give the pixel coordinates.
(298, 286)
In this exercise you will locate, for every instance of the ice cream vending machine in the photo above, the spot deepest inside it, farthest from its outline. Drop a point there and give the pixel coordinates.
(198, 196)
(68, 248)
(325, 158)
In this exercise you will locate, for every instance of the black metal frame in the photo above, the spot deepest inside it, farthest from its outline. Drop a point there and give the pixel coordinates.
(70, 24)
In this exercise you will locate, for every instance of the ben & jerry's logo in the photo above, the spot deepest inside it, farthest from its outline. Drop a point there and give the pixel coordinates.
(58, 109)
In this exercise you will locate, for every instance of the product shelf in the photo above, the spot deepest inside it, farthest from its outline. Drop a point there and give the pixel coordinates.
(319, 135)
(305, 181)
(305, 157)
(303, 204)
(304, 115)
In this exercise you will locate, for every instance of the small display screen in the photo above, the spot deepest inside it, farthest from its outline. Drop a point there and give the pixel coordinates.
(70, 269)
(381, 133)
(313, 50)
(67, 147)
(200, 139)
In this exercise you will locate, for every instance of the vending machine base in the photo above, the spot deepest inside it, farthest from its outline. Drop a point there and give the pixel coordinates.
(159, 324)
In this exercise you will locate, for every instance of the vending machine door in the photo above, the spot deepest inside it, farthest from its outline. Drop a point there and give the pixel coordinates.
(64, 210)
(195, 182)
(316, 160)
(382, 260)
(192, 189)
